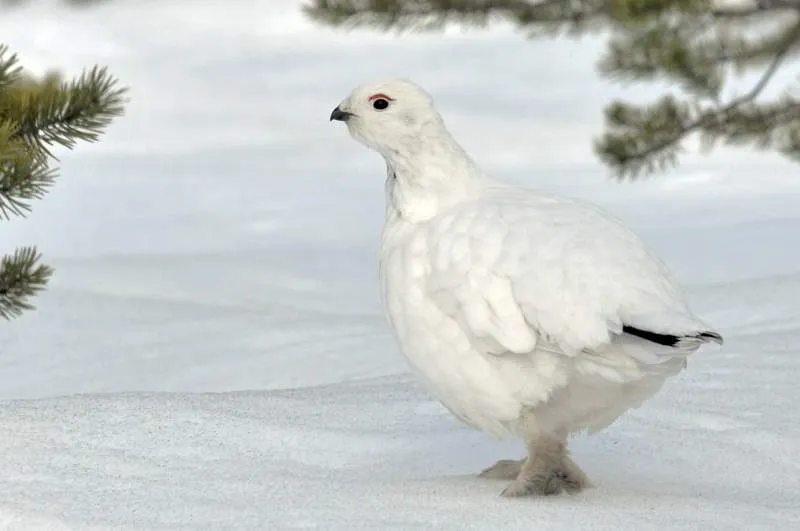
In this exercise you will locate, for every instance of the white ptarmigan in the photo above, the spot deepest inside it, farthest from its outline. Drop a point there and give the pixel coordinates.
(525, 314)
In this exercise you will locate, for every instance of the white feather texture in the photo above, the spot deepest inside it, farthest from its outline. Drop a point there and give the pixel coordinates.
(507, 300)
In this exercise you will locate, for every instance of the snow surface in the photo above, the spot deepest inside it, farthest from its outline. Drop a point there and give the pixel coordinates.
(211, 352)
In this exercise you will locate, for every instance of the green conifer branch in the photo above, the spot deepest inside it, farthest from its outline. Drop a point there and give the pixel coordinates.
(21, 277)
(404, 15)
(691, 52)
(24, 176)
(35, 115)
(642, 139)
(9, 67)
(65, 113)
(430, 14)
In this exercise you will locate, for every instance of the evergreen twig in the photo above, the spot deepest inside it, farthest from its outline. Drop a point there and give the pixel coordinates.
(35, 115)
(21, 277)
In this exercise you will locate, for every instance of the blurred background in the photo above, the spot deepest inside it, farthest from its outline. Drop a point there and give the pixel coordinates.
(223, 234)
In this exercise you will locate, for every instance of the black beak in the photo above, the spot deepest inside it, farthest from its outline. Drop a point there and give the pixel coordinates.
(340, 115)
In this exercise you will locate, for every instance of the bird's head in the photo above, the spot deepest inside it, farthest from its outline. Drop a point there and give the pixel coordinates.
(389, 116)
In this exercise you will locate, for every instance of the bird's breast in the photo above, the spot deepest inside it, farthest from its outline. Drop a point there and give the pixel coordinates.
(403, 262)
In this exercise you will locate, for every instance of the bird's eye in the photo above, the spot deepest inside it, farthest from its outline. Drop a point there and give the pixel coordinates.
(380, 104)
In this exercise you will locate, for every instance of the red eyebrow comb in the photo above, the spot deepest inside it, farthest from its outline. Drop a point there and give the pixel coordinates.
(380, 95)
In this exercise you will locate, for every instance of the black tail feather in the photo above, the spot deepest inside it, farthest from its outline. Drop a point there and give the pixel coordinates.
(669, 340)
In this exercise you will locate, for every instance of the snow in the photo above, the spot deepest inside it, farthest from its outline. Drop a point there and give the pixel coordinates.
(211, 352)
(165, 413)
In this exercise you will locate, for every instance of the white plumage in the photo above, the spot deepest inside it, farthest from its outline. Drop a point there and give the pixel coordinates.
(525, 314)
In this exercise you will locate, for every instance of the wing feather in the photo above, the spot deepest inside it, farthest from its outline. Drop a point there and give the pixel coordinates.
(556, 273)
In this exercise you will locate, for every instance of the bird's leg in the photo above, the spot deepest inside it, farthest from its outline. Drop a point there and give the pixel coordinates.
(548, 470)
(503, 469)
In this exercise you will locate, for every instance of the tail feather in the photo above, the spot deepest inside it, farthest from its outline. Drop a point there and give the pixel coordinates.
(695, 340)
(671, 340)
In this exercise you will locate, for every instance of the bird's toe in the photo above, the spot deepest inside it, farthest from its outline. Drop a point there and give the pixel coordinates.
(566, 477)
(503, 469)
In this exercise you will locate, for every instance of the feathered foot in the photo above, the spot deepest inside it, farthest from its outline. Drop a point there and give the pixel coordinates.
(503, 469)
(548, 470)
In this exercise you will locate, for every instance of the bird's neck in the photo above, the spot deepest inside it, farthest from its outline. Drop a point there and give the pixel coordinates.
(431, 174)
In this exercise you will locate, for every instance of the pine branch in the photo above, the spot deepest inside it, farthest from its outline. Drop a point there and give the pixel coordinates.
(764, 126)
(432, 14)
(642, 139)
(21, 277)
(687, 51)
(65, 113)
(36, 114)
(9, 67)
(574, 15)
(670, 52)
(24, 176)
